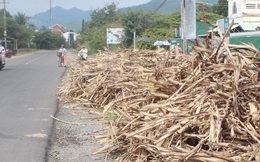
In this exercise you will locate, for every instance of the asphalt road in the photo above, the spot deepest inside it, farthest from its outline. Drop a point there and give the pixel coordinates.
(28, 87)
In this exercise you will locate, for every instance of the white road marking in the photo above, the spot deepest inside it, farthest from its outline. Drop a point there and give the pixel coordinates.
(35, 59)
(36, 135)
(39, 108)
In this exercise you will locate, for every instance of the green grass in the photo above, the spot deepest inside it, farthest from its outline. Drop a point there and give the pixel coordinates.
(109, 116)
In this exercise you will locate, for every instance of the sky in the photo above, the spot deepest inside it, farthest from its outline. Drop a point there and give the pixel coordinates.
(32, 7)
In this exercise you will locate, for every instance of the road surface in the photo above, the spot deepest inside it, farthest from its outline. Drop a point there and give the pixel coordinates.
(28, 87)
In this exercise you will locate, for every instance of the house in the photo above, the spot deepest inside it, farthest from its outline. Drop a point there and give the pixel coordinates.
(57, 29)
(245, 14)
(70, 37)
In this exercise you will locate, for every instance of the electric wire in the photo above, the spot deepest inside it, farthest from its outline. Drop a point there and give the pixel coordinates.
(163, 3)
(160, 6)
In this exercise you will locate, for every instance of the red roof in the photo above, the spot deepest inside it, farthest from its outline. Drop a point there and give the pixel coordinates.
(57, 29)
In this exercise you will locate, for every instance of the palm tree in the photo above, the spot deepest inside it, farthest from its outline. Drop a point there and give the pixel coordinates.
(21, 18)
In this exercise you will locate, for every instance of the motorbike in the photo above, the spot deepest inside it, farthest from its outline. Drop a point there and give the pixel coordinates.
(8, 53)
(2, 60)
(82, 55)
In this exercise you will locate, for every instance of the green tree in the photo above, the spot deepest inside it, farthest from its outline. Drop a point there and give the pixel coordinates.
(20, 30)
(17, 29)
(83, 25)
(210, 17)
(8, 20)
(100, 17)
(161, 26)
(48, 40)
(166, 20)
(94, 34)
(22, 34)
(144, 24)
(135, 21)
(20, 18)
(221, 8)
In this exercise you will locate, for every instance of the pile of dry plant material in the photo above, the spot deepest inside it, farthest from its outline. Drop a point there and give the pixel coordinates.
(167, 106)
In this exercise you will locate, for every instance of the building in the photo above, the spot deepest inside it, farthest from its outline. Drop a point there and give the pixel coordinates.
(57, 29)
(245, 14)
(70, 37)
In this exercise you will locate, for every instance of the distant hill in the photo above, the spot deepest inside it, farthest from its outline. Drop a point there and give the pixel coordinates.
(72, 19)
(169, 6)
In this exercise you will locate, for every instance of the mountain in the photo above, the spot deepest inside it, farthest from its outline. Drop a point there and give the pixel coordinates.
(72, 19)
(167, 7)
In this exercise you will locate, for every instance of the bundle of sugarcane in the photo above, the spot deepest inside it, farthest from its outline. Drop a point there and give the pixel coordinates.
(168, 106)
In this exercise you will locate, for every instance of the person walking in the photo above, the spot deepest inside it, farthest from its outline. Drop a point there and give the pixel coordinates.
(63, 51)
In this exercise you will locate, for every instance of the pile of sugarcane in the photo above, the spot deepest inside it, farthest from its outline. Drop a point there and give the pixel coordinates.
(168, 106)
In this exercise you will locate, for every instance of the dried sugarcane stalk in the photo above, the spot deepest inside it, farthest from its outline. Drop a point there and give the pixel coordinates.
(171, 107)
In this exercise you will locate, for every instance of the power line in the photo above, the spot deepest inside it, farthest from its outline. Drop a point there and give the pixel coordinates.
(211, 5)
(160, 6)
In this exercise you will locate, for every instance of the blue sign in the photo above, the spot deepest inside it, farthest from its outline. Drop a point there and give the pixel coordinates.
(226, 24)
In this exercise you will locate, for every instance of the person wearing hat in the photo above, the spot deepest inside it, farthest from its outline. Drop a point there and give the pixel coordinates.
(83, 53)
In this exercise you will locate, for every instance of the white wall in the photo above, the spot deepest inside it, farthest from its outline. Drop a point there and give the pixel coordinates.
(67, 34)
(248, 12)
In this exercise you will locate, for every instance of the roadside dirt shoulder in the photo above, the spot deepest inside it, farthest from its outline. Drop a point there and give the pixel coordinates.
(72, 138)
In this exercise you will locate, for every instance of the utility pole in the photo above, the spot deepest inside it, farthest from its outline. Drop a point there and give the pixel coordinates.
(50, 13)
(188, 22)
(134, 39)
(184, 28)
(5, 33)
